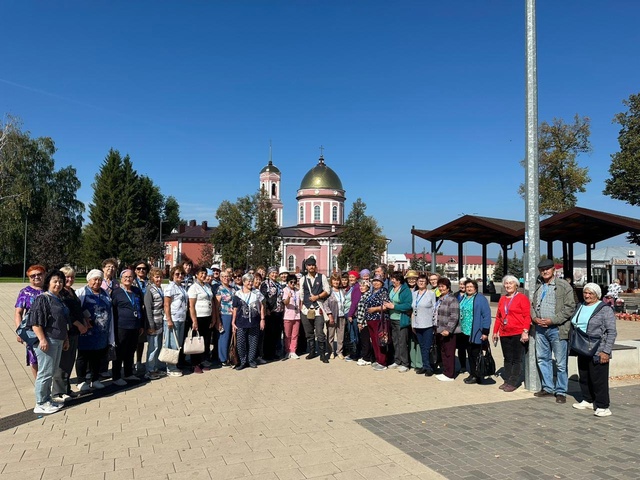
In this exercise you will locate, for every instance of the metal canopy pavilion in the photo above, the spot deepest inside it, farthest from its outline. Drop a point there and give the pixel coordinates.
(472, 228)
(576, 225)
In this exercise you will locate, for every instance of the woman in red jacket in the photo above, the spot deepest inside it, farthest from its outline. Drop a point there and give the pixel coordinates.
(513, 321)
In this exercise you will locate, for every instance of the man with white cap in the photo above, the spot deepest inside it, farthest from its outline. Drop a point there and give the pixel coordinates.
(552, 306)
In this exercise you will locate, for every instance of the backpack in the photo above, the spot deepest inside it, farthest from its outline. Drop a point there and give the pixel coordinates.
(25, 332)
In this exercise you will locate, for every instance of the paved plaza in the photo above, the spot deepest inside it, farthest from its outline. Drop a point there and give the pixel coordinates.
(302, 419)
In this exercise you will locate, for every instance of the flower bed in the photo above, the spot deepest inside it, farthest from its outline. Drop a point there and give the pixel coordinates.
(629, 317)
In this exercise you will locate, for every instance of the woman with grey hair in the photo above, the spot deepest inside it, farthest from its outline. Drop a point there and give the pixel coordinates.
(597, 320)
(247, 319)
(513, 320)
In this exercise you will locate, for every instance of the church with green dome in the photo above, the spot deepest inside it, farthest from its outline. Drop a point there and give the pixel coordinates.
(320, 215)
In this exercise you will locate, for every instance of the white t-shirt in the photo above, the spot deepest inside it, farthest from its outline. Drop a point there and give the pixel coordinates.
(179, 301)
(203, 295)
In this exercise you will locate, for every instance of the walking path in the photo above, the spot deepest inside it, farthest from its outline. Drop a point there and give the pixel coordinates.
(302, 420)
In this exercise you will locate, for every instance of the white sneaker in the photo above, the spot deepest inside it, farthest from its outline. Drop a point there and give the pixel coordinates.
(402, 369)
(361, 362)
(47, 408)
(84, 386)
(583, 405)
(294, 356)
(374, 364)
(97, 384)
(393, 366)
(443, 378)
(602, 412)
(379, 368)
(177, 373)
(121, 382)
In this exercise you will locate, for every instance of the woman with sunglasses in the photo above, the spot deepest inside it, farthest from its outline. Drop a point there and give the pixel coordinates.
(142, 282)
(224, 296)
(292, 305)
(176, 304)
(26, 296)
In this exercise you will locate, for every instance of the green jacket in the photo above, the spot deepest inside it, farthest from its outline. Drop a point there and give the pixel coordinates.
(565, 306)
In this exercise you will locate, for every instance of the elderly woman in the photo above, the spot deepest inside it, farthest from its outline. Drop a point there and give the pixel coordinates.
(292, 307)
(201, 311)
(141, 281)
(335, 305)
(447, 317)
(272, 292)
(176, 304)
(129, 317)
(375, 310)
(109, 270)
(247, 320)
(49, 320)
(513, 320)
(61, 386)
(224, 296)
(423, 303)
(353, 294)
(475, 325)
(93, 344)
(26, 296)
(365, 351)
(412, 279)
(399, 306)
(598, 321)
(154, 307)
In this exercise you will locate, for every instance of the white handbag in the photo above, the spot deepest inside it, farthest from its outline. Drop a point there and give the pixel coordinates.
(169, 355)
(193, 345)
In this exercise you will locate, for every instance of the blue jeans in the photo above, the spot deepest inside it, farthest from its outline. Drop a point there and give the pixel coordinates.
(548, 342)
(224, 338)
(170, 340)
(153, 350)
(47, 364)
(425, 339)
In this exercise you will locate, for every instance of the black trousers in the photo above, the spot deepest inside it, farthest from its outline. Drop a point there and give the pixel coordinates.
(127, 342)
(473, 350)
(513, 350)
(91, 359)
(594, 381)
(314, 330)
(273, 328)
(204, 330)
(462, 341)
(366, 352)
(400, 338)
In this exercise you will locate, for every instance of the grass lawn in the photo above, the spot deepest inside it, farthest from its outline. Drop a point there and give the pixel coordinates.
(12, 280)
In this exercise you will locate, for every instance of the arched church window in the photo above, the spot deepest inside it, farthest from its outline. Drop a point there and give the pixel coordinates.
(301, 214)
(316, 213)
(291, 263)
(334, 214)
(274, 190)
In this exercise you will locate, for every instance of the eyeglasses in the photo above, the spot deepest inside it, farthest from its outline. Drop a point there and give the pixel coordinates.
(141, 268)
(35, 275)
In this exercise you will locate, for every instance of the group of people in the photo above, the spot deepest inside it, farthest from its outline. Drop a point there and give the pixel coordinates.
(394, 321)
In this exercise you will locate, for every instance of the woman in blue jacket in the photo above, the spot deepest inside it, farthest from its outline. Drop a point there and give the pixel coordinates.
(475, 324)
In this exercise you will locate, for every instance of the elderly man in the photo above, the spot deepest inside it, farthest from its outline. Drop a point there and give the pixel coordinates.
(552, 306)
(315, 288)
(381, 270)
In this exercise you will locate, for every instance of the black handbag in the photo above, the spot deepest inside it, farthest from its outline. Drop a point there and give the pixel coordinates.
(486, 366)
(434, 353)
(582, 344)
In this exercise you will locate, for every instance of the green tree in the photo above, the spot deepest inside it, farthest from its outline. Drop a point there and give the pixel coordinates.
(247, 232)
(362, 241)
(171, 216)
(498, 269)
(32, 190)
(560, 176)
(515, 266)
(624, 183)
(124, 214)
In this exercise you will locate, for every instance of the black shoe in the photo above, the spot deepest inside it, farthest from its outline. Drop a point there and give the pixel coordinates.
(421, 371)
(428, 373)
(470, 380)
(311, 348)
(253, 365)
(561, 399)
(324, 356)
(240, 367)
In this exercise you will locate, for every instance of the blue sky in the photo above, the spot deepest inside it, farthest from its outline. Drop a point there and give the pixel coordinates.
(419, 104)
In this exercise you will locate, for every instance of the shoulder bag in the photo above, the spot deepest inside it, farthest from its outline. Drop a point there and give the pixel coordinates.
(233, 350)
(169, 355)
(583, 344)
(486, 366)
